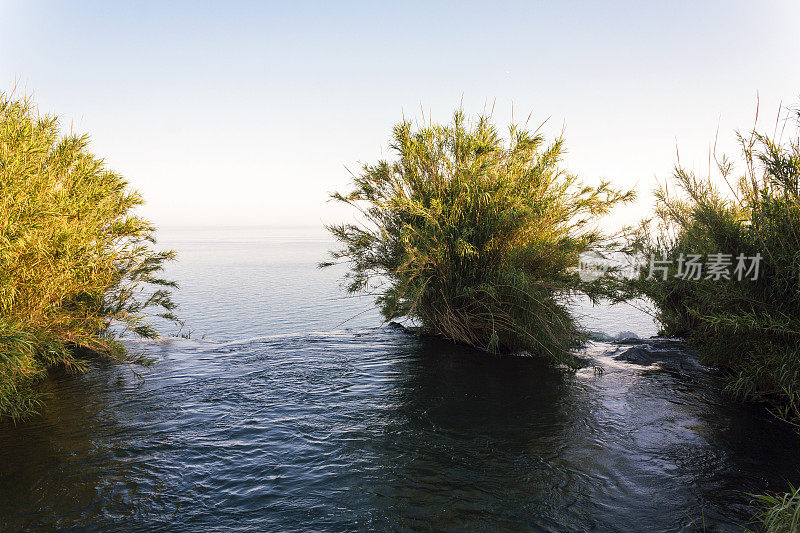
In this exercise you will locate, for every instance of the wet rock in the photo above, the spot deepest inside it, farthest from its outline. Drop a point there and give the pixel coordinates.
(626, 335)
(667, 353)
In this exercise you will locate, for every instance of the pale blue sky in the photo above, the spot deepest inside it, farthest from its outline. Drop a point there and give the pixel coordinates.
(248, 113)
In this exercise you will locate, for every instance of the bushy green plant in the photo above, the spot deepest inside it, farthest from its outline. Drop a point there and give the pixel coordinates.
(475, 238)
(779, 513)
(77, 267)
(748, 328)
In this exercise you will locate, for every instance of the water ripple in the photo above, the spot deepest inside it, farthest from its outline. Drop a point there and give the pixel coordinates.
(378, 429)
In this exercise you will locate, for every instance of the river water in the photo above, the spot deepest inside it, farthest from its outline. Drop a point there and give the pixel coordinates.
(292, 408)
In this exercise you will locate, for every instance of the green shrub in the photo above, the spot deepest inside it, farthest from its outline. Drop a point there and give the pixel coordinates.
(748, 328)
(77, 268)
(475, 238)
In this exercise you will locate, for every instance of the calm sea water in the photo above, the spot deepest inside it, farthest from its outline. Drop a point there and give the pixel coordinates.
(292, 408)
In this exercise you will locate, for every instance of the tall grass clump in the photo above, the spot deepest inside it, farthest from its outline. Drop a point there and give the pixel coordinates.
(749, 328)
(77, 267)
(475, 237)
(779, 513)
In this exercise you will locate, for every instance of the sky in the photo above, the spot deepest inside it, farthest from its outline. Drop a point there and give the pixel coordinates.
(251, 113)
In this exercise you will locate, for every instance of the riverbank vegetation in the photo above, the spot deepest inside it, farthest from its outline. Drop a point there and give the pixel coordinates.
(747, 326)
(779, 513)
(77, 266)
(475, 237)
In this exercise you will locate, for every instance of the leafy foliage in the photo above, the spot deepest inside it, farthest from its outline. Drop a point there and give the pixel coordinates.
(779, 513)
(748, 328)
(475, 238)
(77, 268)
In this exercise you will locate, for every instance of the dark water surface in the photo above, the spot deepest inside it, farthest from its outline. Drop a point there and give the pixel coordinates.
(283, 419)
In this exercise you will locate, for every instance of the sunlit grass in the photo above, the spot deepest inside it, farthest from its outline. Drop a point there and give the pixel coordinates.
(77, 267)
(474, 237)
(748, 328)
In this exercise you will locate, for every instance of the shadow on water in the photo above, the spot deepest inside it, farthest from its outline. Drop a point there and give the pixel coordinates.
(485, 442)
(378, 429)
(474, 439)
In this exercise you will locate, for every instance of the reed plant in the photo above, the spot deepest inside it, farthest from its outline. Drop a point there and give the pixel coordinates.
(749, 328)
(779, 513)
(77, 267)
(475, 237)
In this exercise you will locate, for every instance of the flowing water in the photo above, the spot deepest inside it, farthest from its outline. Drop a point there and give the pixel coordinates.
(281, 414)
